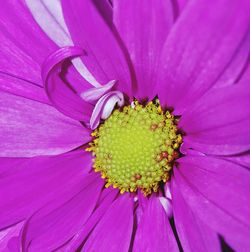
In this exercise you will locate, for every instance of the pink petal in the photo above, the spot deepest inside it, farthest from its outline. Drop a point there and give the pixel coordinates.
(154, 232)
(93, 94)
(62, 93)
(51, 227)
(23, 44)
(217, 192)
(49, 16)
(194, 234)
(104, 107)
(81, 236)
(199, 48)
(15, 85)
(143, 26)
(113, 232)
(236, 67)
(219, 123)
(242, 159)
(90, 28)
(28, 184)
(30, 128)
(8, 238)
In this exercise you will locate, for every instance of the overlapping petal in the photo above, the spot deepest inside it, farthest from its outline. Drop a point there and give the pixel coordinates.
(107, 197)
(23, 46)
(30, 128)
(50, 227)
(154, 232)
(113, 232)
(199, 48)
(90, 28)
(18, 86)
(237, 66)
(64, 93)
(143, 27)
(218, 195)
(194, 234)
(27, 184)
(219, 123)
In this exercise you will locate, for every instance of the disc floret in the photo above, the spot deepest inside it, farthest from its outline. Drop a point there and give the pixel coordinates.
(135, 147)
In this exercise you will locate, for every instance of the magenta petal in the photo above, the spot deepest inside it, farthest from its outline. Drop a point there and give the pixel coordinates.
(217, 192)
(51, 227)
(8, 238)
(30, 128)
(113, 232)
(242, 159)
(199, 48)
(143, 26)
(61, 93)
(23, 44)
(237, 66)
(81, 236)
(219, 123)
(90, 28)
(27, 184)
(154, 232)
(193, 233)
(15, 85)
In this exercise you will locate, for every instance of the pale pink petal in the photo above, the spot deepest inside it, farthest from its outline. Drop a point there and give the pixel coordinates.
(90, 28)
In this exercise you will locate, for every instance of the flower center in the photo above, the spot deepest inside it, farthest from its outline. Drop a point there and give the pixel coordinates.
(135, 148)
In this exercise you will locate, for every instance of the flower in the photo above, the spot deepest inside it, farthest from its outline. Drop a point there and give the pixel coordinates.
(66, 67)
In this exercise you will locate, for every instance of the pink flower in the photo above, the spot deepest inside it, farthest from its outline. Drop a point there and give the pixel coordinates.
(66, 66)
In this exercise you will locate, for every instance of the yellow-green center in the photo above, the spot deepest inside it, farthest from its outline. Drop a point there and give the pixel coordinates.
(135, 148)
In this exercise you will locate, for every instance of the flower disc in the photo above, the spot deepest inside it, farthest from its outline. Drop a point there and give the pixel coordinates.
(135, 148)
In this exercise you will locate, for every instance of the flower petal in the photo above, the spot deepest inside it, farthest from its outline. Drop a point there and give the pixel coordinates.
(219, 123)
(198, 49)
(242, 159)
(236, 67)
(193, 233)
(143, 26)
(217, 192)
(90, 28)
(15, 85)
(8, 238)
(48, 14)
(51, 227)
(23, 44)
(28, 184)
(113, 232)
(30, 128)
(63, 94)
(154, 232)
(81, 236)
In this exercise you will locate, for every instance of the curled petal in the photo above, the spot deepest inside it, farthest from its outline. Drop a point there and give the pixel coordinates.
(93, 94)
(63, 95)
(105, 106)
